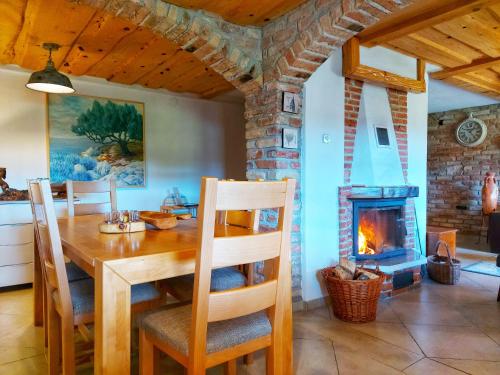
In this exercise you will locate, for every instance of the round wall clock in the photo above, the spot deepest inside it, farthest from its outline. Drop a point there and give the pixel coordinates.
(471, 132)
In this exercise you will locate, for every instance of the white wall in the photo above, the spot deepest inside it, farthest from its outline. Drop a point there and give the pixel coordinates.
(324, 163)
(186, 138)
(323, 170)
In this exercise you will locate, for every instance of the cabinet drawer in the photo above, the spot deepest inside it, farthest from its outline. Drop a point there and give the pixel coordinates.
(16, 234)
(15, 275)
(20, 212)
(15, 213)
(16, 254)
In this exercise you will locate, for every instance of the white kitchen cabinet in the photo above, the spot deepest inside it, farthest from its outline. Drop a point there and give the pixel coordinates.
(17, 241)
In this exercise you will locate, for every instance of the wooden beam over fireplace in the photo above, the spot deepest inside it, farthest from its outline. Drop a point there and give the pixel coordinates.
(352, 68)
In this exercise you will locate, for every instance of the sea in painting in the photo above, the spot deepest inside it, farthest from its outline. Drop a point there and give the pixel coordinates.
(96, 139)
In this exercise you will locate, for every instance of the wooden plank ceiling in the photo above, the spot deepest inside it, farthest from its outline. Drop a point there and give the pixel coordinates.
(97, 44)
(463, 37)
(243, 12)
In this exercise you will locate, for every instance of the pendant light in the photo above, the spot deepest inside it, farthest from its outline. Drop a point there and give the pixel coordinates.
(50, 80)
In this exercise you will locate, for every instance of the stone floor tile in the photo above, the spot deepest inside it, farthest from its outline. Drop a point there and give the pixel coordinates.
(18, 302)
(482, 315)
(356, 363)
(348, 339)
(386, 314)
(314, 357)
(425, 293)
(29, 366)
(394, 333)
(493, 333)
(457, 294)
(309, 326)
(485, 281)
(18, 330)
(455, 342)
(428, 313)
(16, 353)
(429, 367)
(472, 367)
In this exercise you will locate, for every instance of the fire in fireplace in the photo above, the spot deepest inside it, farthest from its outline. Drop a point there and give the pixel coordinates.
(378, 228)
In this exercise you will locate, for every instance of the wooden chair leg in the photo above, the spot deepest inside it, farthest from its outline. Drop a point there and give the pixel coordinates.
(148, 361)
(230, 368)
(248, 359)
(196, 367)
(271, 361)
(45, 314)
(53, 327)
(68, 347)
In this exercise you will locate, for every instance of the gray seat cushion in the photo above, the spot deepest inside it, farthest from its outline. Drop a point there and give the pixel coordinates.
(75, 273)
(82, 295)
(222, 279)
(172, 326)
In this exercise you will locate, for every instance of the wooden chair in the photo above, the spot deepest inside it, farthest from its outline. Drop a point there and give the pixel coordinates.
(69, 304)
(222, 326)
(85, 190)
(181, 287)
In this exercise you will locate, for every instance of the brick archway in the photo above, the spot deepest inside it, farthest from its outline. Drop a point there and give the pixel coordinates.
(232, 51)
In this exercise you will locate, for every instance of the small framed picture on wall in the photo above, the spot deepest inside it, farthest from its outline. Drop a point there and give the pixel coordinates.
(290, 102)
(291, 138)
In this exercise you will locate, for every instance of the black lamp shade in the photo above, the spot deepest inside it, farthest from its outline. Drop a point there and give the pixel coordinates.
(50, 80)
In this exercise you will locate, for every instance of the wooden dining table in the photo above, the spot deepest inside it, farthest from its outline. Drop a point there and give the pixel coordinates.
(118, 261)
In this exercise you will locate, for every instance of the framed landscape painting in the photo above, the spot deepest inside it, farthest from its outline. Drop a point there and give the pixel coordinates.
(94, 139)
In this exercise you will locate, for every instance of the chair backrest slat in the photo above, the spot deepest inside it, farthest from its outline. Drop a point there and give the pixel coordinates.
(236, 195)
(50, 247)
(235, 303)
(242, 248)
(91, 187)
(104, 189)
(232, 251)
(91, 208)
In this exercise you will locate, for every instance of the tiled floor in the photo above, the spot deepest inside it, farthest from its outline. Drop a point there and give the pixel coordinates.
(436, 329)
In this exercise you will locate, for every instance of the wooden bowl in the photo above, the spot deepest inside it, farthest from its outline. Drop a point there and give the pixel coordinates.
(184, 216)
(158, 219)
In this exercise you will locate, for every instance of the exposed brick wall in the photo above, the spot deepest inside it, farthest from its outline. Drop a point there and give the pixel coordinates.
(267, 159)
(352, 101)
(296, 44)
(398, 101)
(345, 222)
(455, 173)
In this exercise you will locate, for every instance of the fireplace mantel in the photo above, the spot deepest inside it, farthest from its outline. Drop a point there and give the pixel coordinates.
(380, 192)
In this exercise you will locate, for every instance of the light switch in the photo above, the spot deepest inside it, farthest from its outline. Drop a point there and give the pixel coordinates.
(326, 138)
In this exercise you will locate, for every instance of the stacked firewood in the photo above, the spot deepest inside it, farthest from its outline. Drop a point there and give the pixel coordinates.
(347, 270)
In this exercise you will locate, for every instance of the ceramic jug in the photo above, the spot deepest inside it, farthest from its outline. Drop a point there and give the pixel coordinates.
(489, 194)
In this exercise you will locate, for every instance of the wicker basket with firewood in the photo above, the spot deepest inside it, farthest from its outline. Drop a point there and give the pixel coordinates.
(354, 291)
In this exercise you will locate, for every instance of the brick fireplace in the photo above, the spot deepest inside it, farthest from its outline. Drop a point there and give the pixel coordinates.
(377, 220)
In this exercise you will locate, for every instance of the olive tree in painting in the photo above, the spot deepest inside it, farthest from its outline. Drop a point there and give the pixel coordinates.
(110, 124)
(96, 139)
